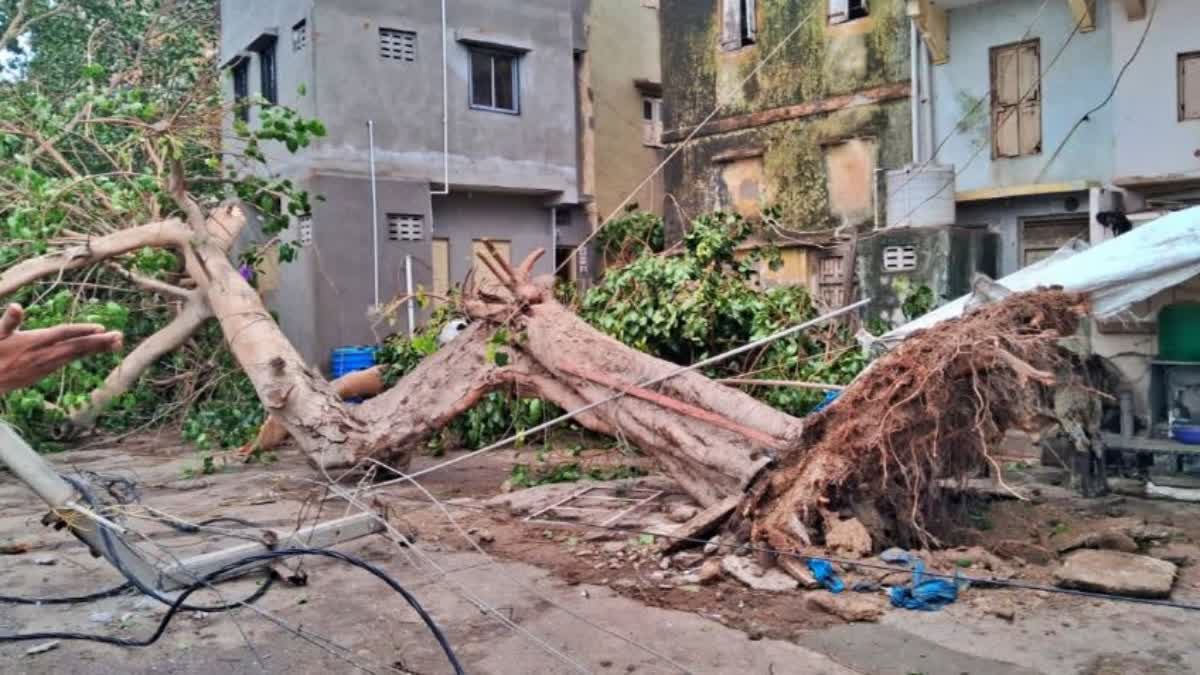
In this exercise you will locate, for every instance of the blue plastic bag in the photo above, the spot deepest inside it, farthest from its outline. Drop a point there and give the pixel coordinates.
(923, 594)
(823, 573)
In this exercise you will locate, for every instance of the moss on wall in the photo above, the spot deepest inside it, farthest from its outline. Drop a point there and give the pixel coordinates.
(817, 62)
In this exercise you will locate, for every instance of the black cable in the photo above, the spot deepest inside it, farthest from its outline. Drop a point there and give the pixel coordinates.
(110, 551)
(1111, 92)
(236, 567)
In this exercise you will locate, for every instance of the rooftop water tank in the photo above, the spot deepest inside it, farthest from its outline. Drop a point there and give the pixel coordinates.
(920, 196)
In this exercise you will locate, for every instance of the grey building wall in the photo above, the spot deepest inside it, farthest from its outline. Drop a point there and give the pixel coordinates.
(507, 171)
(535, 150)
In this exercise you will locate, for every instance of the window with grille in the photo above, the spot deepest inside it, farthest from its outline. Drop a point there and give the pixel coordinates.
(1016, 100)
(306, 231)
(397, 45)
(899, 258)
(300, 35)
(405, 227)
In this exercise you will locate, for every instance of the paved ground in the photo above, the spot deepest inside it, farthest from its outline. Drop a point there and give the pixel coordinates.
(592, 628)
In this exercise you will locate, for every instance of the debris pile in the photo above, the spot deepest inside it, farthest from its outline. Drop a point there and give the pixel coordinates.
(929, 410)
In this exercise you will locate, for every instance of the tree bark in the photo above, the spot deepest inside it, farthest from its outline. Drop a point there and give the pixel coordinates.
(192, 315)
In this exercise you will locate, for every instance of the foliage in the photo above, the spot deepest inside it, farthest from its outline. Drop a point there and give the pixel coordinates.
(915, 299)
(527, 475)
(104, 107)
(635, 234)
(705, 301)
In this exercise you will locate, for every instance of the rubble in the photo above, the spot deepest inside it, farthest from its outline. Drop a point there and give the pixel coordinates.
(1014, 549)
(848, 537)
(1118, 573)
(1178, 554)
(848, 606)
(798, 570)
(749, 573)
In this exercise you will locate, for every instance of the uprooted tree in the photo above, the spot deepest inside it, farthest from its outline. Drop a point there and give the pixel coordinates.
(928, 411)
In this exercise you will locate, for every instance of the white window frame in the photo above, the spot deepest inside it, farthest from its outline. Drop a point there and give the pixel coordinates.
(493, 53)
(1183, 60)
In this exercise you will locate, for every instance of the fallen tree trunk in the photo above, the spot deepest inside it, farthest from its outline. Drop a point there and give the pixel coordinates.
(929, 410)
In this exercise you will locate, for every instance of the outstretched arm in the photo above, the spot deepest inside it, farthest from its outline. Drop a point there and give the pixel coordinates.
(27, 356)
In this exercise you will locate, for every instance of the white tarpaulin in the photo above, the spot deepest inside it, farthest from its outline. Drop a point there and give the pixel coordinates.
(1117, 273)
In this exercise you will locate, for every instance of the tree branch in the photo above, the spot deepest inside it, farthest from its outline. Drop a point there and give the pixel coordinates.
(152, 285)
(161, 234)
(172, 336)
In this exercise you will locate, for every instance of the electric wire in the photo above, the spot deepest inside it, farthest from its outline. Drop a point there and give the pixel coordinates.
(1111, 92)
(234, 568)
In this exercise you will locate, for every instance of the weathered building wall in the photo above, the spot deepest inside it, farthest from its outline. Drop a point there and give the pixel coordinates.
(826, 85)
(1075, 77)
(1151, 140)
(623, 46)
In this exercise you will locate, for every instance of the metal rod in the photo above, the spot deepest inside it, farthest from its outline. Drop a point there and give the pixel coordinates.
(652, 381)
(408, 288)
(445, 112)
(374, 210)
(821, 386)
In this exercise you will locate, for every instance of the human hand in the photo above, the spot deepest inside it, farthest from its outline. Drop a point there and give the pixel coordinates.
(27, 356)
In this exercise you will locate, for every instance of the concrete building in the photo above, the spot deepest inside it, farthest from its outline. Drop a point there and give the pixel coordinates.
(805, 134)
(470, 115)
(1042, 145)
(1063, 119)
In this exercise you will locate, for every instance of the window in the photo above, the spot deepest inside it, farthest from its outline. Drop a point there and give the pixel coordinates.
(739, 23)
(652, 126)
(1041, 238)
(300, 35)
(306, 231)
(405, 227)
(1016, 100)
(841, 11)
(494, 80)
(899, 258)
(397, 45)
(241, 89)
(264, 46)
(850, 179)
(1189, 86)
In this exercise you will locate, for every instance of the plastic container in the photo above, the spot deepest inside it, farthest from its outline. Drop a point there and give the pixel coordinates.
(1179, 332)
(1186, 433)
(344, 360)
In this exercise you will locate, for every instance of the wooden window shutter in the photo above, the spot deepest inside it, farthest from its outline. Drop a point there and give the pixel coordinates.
(1029, 74)
(1189, 86)
(731, 25)
(839, 11)
(441, 267)
(1016, 100)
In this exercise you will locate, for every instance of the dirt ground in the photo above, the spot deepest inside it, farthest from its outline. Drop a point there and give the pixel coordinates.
(582, 599)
